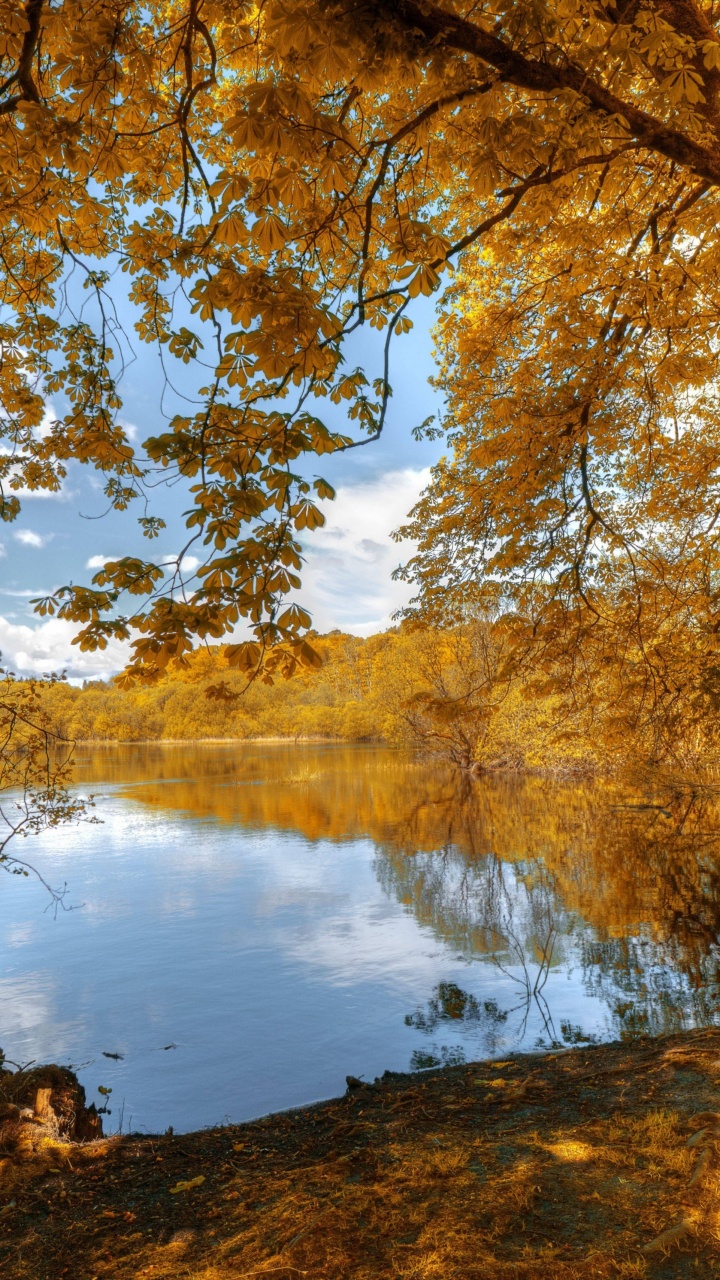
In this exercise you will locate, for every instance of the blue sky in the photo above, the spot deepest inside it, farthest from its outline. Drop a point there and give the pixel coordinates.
(347, 577)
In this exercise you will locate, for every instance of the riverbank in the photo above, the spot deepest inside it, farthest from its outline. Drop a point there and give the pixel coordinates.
(225, 742)
(577, 1166)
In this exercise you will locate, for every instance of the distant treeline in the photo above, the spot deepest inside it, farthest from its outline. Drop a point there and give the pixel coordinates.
(434, 689)
(208, 699)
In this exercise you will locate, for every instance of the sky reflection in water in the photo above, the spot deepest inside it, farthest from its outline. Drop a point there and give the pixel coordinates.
(258, 921)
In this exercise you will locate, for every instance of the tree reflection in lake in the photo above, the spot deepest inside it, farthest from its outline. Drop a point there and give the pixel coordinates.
(450, 1004)
(525, 874)
(531, 864)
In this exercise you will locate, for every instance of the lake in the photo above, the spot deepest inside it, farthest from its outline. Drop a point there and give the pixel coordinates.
(253, 922)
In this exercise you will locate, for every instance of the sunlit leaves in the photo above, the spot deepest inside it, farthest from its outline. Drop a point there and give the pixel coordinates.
(294, 618)
(185, 345)
(129, 574)
(306, 515)
(271, 178)
(711, 54)
(151, 525)
(425, 281)
(684, 83)
(583, 412)
(270, 232)
(246, 656)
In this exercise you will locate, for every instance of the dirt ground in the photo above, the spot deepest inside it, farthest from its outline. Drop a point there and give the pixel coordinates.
(594, 1163)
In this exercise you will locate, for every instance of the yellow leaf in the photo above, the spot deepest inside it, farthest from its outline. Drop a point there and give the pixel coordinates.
(711, 54)
(425, 280)
(187, 1186)
(270, 232)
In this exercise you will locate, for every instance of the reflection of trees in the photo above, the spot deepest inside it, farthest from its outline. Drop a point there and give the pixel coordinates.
(483, 906)
(659, 970)
(645, 878)
(648, 985)
(479, 905)
(451, 1004)
(451, 1008)
(491, 866)
(324, 792)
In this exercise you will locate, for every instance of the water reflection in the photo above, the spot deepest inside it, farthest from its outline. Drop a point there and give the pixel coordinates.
(493, 868)
(448, 1007)
(286, 914)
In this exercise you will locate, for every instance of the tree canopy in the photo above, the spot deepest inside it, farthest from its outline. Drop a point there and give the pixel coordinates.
(263, 179)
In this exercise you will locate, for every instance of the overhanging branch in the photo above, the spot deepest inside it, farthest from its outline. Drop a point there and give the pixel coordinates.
(448, 29)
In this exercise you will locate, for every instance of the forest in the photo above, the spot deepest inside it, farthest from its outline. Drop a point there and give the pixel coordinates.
(441, 693)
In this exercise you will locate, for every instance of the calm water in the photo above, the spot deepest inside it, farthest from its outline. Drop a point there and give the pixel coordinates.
(255, 922)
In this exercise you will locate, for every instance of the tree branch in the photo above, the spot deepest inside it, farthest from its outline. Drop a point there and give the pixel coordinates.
(442, 28)
(23, 76)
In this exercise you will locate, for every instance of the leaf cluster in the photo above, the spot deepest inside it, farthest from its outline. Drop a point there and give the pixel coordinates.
(260, 181)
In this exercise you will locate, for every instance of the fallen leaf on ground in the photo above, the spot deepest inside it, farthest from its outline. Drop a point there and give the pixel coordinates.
(186, 1186)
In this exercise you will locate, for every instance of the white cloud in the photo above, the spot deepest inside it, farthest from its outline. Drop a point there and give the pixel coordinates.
(28, 538)
(131, 431)
(64, 494)
(48, 647)
(188, 564)
(28, 1004)
(49, 420)
(97, 562)
(3, 551)
(347, 579)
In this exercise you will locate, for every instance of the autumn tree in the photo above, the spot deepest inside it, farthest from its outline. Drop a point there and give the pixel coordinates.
(263, 179)
(35, 771)
(443, 685)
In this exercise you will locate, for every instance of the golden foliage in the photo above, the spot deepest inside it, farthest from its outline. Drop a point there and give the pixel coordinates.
(271, 177)
(200, 698)
(451, 692)
(581, 491)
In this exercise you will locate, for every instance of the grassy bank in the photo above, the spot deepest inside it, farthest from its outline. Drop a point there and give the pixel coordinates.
(580, 1166)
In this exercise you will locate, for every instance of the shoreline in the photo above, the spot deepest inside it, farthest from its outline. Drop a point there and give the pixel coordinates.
(199, 742)
(475, 771)
(643, 777)
(586, 1164)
